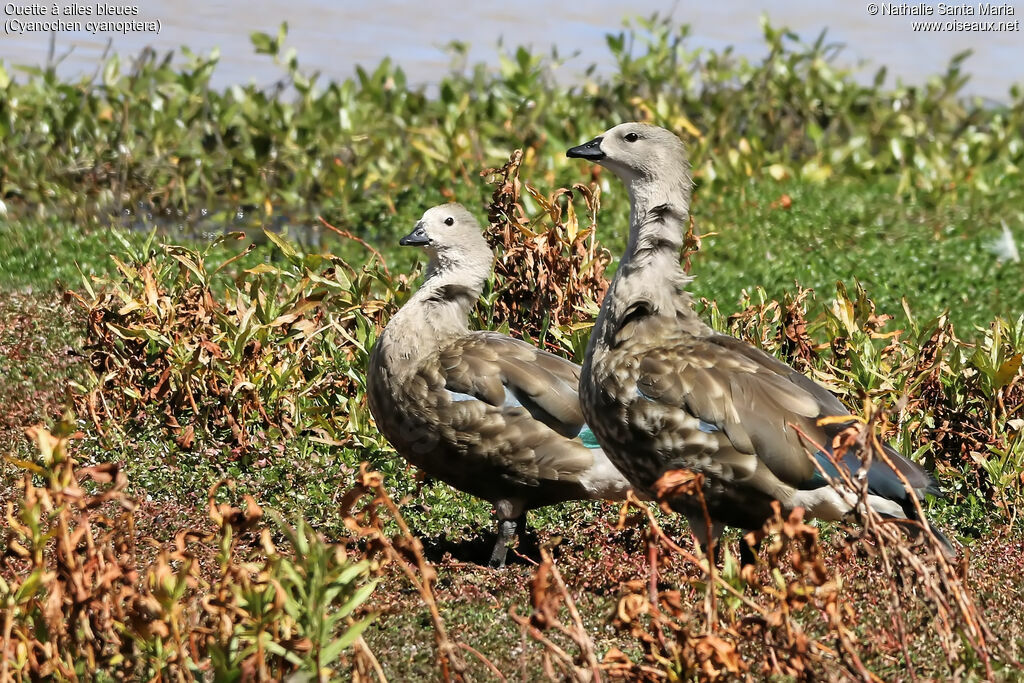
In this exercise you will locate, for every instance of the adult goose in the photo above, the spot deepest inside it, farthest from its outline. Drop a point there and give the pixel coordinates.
(663, 391)
(488, 414)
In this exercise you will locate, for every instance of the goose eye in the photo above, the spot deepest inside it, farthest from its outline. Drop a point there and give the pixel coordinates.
(449, 221)
(630, 137)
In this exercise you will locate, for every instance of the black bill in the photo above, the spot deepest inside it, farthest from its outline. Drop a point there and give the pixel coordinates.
(588, 150)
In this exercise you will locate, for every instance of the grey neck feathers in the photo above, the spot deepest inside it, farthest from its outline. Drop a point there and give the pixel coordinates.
(659, 218)
(439, 310)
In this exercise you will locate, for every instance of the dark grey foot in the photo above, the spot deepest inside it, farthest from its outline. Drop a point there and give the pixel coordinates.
(748, 553)
(506, 532)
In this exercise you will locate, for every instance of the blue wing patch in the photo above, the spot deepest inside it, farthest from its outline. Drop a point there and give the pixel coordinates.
(817, 481)
(510, 399)
(707, 427)
(882, 481)
(644, 396)
(587, 437)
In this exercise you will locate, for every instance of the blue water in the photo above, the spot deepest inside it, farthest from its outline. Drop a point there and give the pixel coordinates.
(333, 37)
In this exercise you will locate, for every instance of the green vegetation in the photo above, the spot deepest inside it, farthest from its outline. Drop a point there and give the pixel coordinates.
(214, 329)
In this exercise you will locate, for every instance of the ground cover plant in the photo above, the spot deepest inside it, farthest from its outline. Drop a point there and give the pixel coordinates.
(193, 487)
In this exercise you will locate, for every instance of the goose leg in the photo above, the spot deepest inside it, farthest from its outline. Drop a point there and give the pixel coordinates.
(506, 533)
(711, 549)
(521, 524)
(707, 538)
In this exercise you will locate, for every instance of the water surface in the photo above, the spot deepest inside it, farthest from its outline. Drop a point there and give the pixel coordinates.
(333, 37)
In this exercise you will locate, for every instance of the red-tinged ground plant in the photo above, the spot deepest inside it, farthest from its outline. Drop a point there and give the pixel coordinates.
(68, 566)
(550, 598)
(368, 510)
(276, 351)
(549, 273)
(83, 599)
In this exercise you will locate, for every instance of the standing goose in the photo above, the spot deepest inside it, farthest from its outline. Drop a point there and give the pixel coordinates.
(663, 391)
(483, 412)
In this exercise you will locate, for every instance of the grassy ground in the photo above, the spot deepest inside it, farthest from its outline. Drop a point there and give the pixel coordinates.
(935, 257)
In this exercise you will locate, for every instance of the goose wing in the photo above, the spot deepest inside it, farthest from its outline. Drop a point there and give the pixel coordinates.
(753, 401)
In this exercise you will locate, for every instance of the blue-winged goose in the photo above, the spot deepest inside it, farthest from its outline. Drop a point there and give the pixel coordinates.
(486, 413)
(663, 391)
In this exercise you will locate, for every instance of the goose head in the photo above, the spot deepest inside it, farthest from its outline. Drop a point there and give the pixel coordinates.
(454, 242)
(637, 152)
